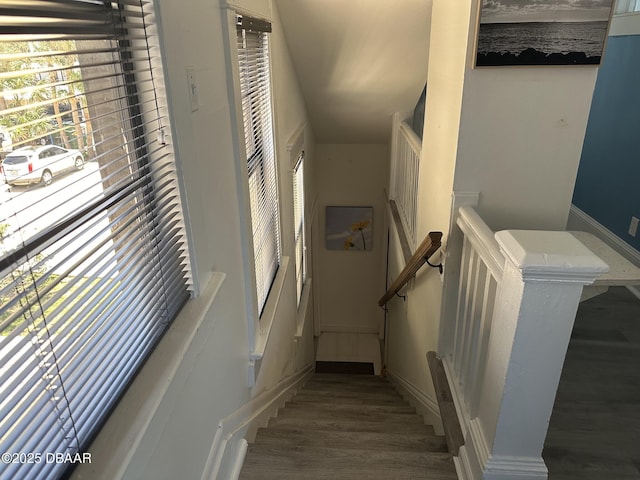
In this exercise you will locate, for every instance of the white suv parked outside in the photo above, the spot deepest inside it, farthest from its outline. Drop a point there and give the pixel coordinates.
(28, 165)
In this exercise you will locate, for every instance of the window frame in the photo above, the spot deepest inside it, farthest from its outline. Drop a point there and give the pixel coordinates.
(623, 7)
(135, 113)
(256, 160)
(299, 225)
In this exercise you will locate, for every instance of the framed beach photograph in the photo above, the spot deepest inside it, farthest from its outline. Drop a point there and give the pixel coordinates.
(536, 32)
(349, 228)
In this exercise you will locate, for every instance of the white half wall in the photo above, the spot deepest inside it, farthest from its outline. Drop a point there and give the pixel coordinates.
(520, 140)
(413, 325)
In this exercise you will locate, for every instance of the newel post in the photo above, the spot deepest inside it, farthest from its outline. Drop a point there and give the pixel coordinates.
(544, 273)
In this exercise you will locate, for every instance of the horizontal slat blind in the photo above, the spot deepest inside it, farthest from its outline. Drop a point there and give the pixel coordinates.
(253, 56)
(94, 266)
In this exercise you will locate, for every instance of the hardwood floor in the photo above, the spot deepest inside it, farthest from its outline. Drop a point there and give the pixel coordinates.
(347, 427)
(594, 432)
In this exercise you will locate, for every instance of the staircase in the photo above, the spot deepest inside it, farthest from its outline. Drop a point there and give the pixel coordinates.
(346, 427)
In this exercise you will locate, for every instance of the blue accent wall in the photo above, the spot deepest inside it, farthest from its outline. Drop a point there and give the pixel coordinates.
(608, 183)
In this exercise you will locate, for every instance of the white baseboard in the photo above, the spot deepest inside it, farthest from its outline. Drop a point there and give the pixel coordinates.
(476, 463)
(425, 405)
(248, 418)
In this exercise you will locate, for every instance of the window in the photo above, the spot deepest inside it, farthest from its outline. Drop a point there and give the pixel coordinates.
(298, 224)
(93, 251)
(253, 57)
(626, 6)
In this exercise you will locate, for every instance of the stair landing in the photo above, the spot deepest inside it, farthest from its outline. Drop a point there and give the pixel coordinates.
(621, 271)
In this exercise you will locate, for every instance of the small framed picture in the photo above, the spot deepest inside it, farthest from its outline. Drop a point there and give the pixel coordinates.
(349, 228)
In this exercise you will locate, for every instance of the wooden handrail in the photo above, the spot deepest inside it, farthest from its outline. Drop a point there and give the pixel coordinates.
(428, 247)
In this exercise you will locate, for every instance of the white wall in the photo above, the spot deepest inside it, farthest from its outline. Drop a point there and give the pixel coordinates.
(521, 135)
(211, 380)
(350, 282)
(512, 134)
(289, 115)
(413, 327)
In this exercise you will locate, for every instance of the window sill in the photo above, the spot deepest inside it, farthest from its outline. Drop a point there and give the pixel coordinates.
(266, 321)
(117, 441)
(303, 308)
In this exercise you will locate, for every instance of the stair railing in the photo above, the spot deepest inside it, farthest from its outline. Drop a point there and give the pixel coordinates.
(504, 334)
(405, 167)
(481, 269)
(427, 248)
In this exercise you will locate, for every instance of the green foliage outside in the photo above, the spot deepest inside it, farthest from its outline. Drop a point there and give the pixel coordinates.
(27, 114)
(18, 287)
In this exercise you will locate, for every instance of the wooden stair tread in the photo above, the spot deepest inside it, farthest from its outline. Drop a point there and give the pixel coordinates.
(350, 387)
(348, 378)
(349, 425)
(330, 398)
(361, 409)
(335, 414)
(412, 442)
(344, 427)
(319, 392)
(259, 472)
(306, 461)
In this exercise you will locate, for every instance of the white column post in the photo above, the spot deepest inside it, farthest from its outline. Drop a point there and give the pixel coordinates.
(534, 314)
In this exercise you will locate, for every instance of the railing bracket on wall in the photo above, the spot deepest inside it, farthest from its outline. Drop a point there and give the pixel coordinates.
(439, 266)
(428, 247)
(403, 297)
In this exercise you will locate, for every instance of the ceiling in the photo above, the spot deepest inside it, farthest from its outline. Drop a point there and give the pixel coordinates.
(358, 62)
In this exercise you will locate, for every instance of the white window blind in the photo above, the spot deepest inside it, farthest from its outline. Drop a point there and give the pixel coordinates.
(94, 265)
(253, 56)
(298, 224)
(626, 6)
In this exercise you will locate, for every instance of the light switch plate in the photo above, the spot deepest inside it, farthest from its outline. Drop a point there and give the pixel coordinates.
(193, 88)
(633, 228)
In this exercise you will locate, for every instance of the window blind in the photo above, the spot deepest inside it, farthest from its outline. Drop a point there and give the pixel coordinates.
(626, 6)
(255, 87)
(94, 265)
(298, 224)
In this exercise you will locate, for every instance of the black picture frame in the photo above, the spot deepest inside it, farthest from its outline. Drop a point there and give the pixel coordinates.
(531, 32)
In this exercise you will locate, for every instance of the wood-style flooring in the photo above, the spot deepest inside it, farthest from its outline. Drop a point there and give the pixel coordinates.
(594, 432)
(347, 427)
